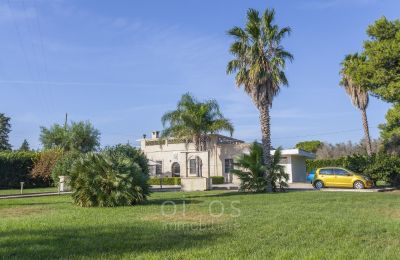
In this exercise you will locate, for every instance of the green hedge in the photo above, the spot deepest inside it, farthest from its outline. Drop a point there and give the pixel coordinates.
(315, 164)
(165, 181)
(217, 179)
(380, 167)
(15, 167)
(177, 180)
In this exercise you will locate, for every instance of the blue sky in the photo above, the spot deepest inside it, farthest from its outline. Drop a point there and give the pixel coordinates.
(122, 64)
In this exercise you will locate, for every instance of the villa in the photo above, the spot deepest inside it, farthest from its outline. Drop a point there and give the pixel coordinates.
(179, 158)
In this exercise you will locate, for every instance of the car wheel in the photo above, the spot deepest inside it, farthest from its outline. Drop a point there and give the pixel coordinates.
(318, 185)
(358, 185)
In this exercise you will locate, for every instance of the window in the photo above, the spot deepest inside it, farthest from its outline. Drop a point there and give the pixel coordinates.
(284, 160)
(192, 166)
(228, 165)
(341, 172)
(159, 167)
(326, 172)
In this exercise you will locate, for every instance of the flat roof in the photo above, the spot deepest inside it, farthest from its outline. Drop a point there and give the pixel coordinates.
(298, 152)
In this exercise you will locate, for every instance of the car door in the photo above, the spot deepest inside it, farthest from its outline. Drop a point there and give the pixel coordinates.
(343, 178)
(327, 176)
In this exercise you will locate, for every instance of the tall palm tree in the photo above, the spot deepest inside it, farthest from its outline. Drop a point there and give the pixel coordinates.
(195, 120)
(358, 94)
(259, 65)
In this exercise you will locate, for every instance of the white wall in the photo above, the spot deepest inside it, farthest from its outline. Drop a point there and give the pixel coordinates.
(299, 169)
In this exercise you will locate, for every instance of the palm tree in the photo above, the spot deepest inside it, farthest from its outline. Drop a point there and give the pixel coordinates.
(259, 65)
(358, 94)
(194, 120)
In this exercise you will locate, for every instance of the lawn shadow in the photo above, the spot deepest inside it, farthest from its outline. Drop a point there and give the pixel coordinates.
(104, 241)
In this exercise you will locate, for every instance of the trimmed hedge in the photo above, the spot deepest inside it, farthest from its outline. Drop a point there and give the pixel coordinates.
(315, 164)
(380, 167)
(165, 181)
(177, 180)
(217, 179)
(15, 167)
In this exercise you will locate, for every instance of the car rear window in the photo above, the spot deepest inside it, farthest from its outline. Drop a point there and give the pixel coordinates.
(326, 171)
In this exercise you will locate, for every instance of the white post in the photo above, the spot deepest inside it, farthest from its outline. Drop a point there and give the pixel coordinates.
(22, 186)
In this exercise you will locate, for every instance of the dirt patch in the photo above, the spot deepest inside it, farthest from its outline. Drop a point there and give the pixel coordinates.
(21, 211)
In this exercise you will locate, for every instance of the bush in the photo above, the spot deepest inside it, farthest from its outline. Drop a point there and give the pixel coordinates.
(43, 166)
(315, 164)
(251, 170)
(109, 179)
(380, 167)
(217, 179)
(276, 172)
(63, 166)
(131, 152)
(165, 181)
(15, 167)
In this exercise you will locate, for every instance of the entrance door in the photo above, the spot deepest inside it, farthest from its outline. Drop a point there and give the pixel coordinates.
(176, 169)
(228, 166)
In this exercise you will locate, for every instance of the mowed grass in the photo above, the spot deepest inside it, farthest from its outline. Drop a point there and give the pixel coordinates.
(28, 191)
(176, 225)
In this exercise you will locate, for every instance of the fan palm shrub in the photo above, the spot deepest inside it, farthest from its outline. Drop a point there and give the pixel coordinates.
(108, 179)
(277, 175)
(250, 169)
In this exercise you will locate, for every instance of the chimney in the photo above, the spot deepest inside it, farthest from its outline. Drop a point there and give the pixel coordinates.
(155, 134)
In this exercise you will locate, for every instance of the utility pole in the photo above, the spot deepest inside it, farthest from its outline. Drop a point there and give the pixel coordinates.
(66, 121)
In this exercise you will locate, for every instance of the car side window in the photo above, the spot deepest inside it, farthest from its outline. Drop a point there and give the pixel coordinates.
(326, 172)
(341, 172)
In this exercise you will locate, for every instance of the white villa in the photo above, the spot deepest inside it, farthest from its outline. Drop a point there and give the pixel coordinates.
(175, 157)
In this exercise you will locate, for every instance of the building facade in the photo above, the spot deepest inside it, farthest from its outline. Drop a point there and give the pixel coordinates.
(179, 158)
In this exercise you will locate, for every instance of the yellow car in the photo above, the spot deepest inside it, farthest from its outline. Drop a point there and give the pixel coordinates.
(341, 178)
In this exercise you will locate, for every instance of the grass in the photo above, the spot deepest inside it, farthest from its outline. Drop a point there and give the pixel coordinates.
(310, 225)
(27, 191)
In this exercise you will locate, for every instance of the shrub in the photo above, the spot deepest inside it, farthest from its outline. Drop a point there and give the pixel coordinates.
(43, 166)
(217, 179)
(108, 179)
(384, 168)
(63, 166)
(15, 167)
(276, 172)
(251, 170)
(315, 164)
(165, 181)
(131, 152)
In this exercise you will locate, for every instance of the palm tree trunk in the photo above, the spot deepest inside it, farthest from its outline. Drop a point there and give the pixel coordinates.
(265, 133)
(366, 131)
(196, 141)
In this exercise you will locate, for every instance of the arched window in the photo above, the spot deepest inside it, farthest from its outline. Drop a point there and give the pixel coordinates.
(176, 169)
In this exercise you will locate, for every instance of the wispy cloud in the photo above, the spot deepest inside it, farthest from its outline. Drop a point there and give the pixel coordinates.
(9, 13)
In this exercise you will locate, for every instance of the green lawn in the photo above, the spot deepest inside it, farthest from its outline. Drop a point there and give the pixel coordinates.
(27, 191)
(311, 225)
